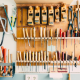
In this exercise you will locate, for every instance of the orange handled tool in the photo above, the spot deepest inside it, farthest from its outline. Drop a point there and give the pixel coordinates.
(63, 35)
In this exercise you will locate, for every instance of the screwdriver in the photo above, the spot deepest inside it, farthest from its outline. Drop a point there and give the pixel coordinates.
(67, 33)
(51, 41)
(24, 36)
(31, 35)
(60, 45)
(27, 35)
(24, 60)
(53, 61)
(34, 35)
(47, 59)
(72, 60)
(62, 58)
(21, 60)
(30, 59)
(44, 59)
(66, 59)
(38, 60)
(27, 59)
(63, 35)
(44, 37)
(41, 35)
(9, 61)
(71, 35)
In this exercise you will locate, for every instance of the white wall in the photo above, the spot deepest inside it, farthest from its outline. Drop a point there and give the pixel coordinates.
(9, 42)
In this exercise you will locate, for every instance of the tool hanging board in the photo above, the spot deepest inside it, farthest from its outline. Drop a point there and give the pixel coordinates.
(3, 15)
(22, 23)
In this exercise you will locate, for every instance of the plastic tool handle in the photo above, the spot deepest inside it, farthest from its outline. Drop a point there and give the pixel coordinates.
(32, 56)
(44, 55)
(63, 56)
(60, 32)
(44, 32)
(71, 32)
(4, 52)
(23, 33)
(40, 31)
(30, 32)
(29, 55)
(50, 32)
(34, 32)
(11, 20)
(14, 22)
(63, 35)
(67, 33)
(41, 55)
(26, 56)
(66, 56)
(38, 56)
(26, 32)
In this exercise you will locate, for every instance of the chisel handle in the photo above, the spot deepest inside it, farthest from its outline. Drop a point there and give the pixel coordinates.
(34, 32)
(60, 32)
(23, 32)
(66, 56)
(32, 56)
(38, 56)
(20, 56)
(62, 56)
(44, 32)
(63, 35)
(56, 55)
(35, 56)
(44, 55)
(59, 55)
(2, 48)
(77, 4)
(41, 55)
(30, 32)
(72, 56)
(40, 31)
(53, 57)
(50, 32)
(71, 32)
(69, 77)
(67, 33)
(17, 55)
(56, 32)
(26, 56)
(29, 55)
(26, 32)
(47, 33)
(47, 56)
(4, 52)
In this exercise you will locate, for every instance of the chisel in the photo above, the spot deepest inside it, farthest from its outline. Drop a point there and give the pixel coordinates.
(44, 37)
(27, 35)
(72, 60)
(34, 35)
(67, 33)
(21, 60)
(41, 35)
(1, 61)
(24, 36)
(60, 45)
(53, 61)
(63, 35)
(44, 59)
(30, 59)
(27, 59)
(51, 41)
(66, 59)
(62, 58)
(31, 35)
(24, 60)
(18, 58)
(38, 60)
(47, 59)
(9, 61)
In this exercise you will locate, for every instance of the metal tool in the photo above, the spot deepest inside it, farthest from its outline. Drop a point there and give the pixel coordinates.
(38, 60)
(24, 60)
(60, 46)
(27, 35)
(67, 33)
(44, 59)
(21, 60)
(63, 35)
(62, 58)
(41, 35)
(31, 35)
(44, 37)
(34, 35)
(71, 35)
(30, 59)
(47, 60)
(24, 36)
(70, 19)
(51, 42)
(72, 60)
(27, 59)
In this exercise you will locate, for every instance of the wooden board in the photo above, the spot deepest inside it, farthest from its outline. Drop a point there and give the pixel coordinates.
(3, 15)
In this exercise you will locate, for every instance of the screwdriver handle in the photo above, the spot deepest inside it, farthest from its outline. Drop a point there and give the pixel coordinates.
(2, 48)
(77, 4)
(33, 31)
(26, 32)
(47, 56)
(35, 56)
(14, 22)
(26, 56)
(29, 55)
(72, 56)
(50, 32)
(38, 56)
(56, 32)
(66, 56)
(75, 31)
(69, 77)
(20, 56)
(71, 32)
(63, 35)
(32, 56)
(30, 32)
(60, 32)
(41, 55)
(44, 55)
(17, 56)
(40, 31)
(67, 33)
(23, 33)
(53, 57)
(8, 56)
(44, 32)
(63, 56)
(47, 33)
(56, 55)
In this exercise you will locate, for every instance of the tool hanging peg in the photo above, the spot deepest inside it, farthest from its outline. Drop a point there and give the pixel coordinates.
(70, 19)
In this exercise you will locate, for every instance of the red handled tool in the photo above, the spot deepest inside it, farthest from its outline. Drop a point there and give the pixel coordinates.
(67, 34)
(63, 35)
(62, 58)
